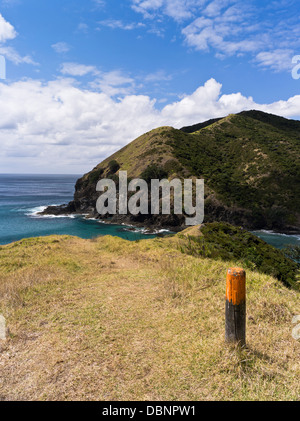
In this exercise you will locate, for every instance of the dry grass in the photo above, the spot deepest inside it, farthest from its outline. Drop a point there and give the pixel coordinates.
(108, 319)
(146, 149)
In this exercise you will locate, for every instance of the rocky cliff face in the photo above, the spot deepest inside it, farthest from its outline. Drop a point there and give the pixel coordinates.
(250, 163)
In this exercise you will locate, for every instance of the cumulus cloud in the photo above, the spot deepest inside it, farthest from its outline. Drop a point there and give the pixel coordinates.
(59, 127)
(7, 31)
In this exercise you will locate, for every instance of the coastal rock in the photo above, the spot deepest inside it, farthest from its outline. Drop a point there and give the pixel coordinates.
(59, 210)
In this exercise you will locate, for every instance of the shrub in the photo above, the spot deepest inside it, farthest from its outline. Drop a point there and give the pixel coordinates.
(113, 166)
(154, 172)
(95, 175)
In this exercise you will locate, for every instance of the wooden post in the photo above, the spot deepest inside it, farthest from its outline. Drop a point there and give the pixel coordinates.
(235, 313)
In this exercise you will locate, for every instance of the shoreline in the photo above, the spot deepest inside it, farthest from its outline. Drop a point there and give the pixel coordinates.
(149, 228)
(128, 226)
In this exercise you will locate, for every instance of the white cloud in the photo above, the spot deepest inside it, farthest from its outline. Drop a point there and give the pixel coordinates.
(119, 24)
(207, 102)
(225, 32)
(177, 9)
(111, 83)
(267, 34)
(158, 76)
(215, 7)
(11, 54)
(82, 27)
(277, 60)
(114, 83)
(7, 31)
(58, 127)
(76, 69)
(61, 47)
(228, 26)
(99, 3)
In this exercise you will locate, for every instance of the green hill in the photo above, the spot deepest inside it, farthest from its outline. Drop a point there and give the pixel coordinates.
(250, 163)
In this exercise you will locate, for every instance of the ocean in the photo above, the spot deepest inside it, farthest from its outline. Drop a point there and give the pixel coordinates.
(23, 196)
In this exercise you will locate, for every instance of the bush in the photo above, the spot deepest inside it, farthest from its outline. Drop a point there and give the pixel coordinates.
(113, 166)
(154, 172)
(292, 252)
(95, 176)
(172, 166)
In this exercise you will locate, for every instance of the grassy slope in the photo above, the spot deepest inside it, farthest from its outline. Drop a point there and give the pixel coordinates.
(149, 148)
(109, 319)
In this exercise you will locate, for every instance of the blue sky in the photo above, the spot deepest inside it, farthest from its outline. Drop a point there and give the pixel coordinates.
(84, 78)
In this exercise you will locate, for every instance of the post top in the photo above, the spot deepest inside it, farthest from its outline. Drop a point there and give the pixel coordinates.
(236, 271)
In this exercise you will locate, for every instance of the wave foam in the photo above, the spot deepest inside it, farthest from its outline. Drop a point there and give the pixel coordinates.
(35, 213)
(269, 232)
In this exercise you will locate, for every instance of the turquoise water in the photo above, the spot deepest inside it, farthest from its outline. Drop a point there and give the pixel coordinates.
(23, 196)
(278, 240)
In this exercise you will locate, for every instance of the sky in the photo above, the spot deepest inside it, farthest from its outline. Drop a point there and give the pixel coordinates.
(85, 78)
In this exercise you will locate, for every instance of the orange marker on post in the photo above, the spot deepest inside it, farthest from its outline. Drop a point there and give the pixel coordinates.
(235, 313)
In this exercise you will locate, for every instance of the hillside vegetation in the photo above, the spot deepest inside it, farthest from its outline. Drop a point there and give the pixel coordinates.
(250, 163)
(108, 319)
(223, 241)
